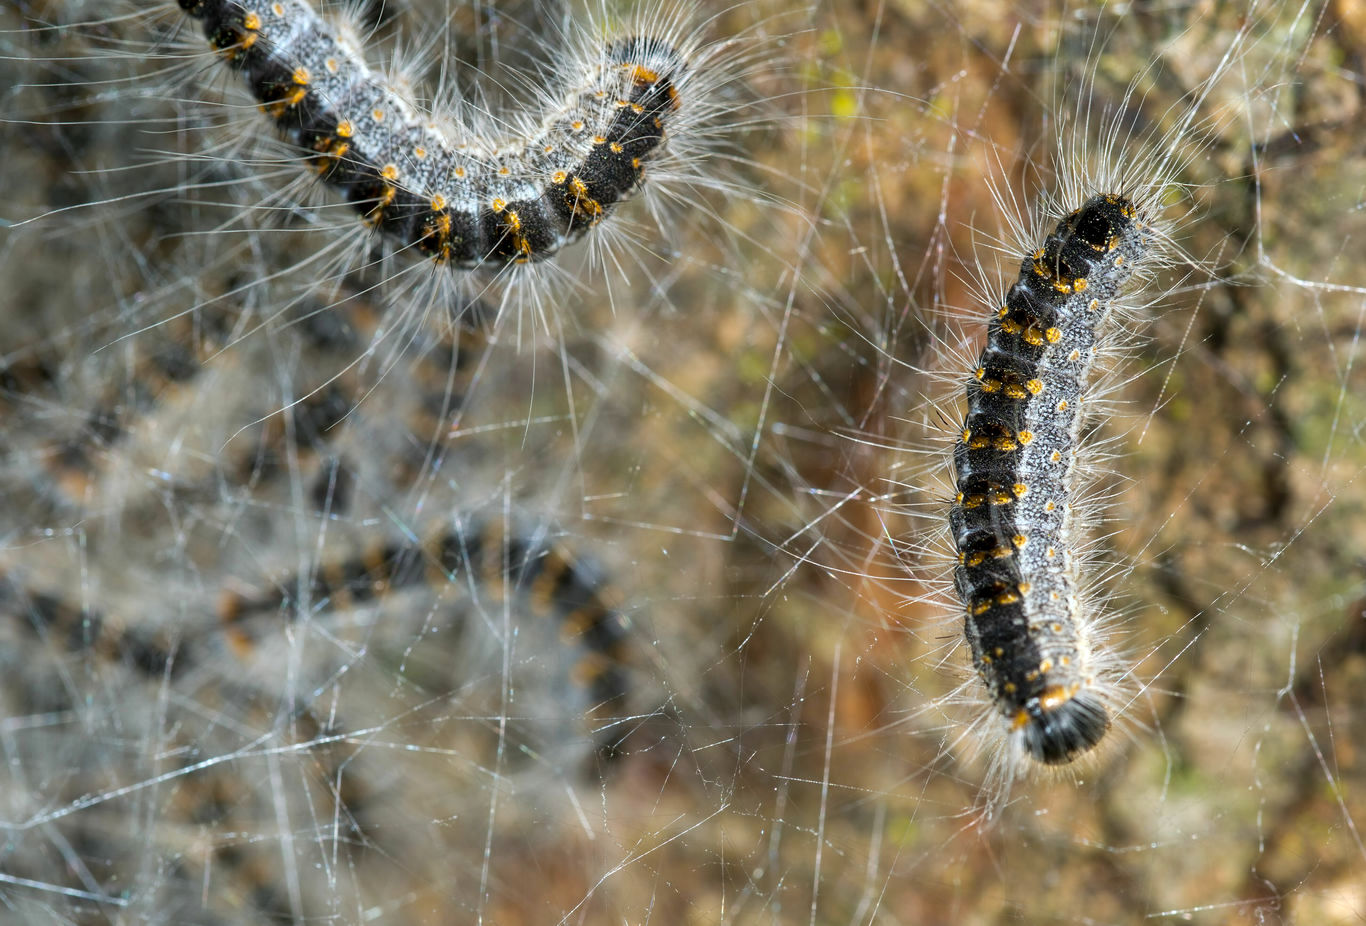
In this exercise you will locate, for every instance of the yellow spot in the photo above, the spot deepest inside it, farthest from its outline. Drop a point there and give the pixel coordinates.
(499, 205)
(583, 204)
(642, 76)
(1005, 310)
(1045, 667)
(967, 435)
(1056, 696)
(615, 148)
(1035, 386)
(1026, 588)
(1056, 456)
(599, 139)
(1019, 489)
(377, 115)
(389, 172)
(420, 153)
(1062, 406)
(1053, 335)
(1057, 628)
(1021, 719)
(331, 65)
(1007, 598)
(459, 173)
(1010, 326)
(1006, 444)
(1049, 506)
(438, 202)
(278, 9)
(1002, 552)
(1014, 391)
(1019, 540)
(504, 171)
(251, 22)
(1095, 304)
(559, 177)
(1119, 261)
(1050, 552)
(1032, 337)
(980, 372)
(301, 76)
(345, 129)
(576, 125)
(982, 607)
(1026, 436)
(991, 385)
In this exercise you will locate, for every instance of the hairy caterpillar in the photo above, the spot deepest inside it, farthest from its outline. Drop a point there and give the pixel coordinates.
(1028, 477)
(461, 200)
(561, 684)
(483, 555)
(549, 579)
(1013, 522)
(446, 185)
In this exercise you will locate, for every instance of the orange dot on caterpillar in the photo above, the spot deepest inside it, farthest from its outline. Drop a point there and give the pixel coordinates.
(1022, 614)
(458, 200)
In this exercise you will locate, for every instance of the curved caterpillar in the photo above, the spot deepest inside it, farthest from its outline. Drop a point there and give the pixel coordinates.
(552, 582)
(1012, 521)
(457, 199)
(548, 578)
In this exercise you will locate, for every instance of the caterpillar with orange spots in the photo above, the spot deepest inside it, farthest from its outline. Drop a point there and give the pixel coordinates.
(1013, 522)
(556, 596)
(448, 195)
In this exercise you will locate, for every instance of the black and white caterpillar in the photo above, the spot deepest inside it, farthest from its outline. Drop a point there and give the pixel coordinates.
(1013, 522)
(544, 579)
(443, 191)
